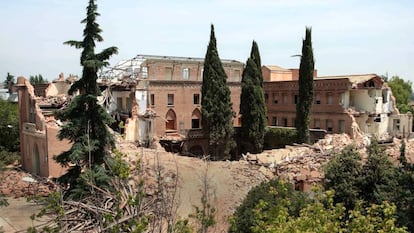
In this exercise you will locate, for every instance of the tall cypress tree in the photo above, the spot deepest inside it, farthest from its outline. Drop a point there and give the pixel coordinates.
(85, 121)
(303, 107)
(216, 105)
(252, 104)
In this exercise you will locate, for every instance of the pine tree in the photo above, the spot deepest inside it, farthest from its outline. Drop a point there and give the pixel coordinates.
(252, 105)
(9, 82)
(303, 107)
(216, 110)
(85, 120)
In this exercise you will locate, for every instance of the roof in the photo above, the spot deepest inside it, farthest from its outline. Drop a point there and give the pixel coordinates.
(177, 58)
(354, 79)
(276, 68)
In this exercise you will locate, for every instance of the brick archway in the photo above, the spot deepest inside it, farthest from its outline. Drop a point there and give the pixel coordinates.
(170, 120)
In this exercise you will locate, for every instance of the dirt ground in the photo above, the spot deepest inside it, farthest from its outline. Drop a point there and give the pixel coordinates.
(229, 181)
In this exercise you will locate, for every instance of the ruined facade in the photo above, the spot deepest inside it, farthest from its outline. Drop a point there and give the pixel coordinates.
(166, 95)
(342, 104)
(38, 128)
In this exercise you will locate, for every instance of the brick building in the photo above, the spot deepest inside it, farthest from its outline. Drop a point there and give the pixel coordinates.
(342, 104)
(38, 128)
(167, 93)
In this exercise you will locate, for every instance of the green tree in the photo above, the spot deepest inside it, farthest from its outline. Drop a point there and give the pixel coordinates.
(9, 127)
(378, 176)
(323, 216)
(305, 98)
(401, 90)
(216, 105)
(276, 194)
(252, 104)
(342, 174)
(9, 82)
(37, 79)
(85, 120)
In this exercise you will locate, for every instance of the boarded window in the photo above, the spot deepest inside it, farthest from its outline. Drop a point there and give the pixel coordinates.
(168, 73)
(186, 73)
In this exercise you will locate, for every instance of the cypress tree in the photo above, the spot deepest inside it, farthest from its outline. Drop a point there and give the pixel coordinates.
(303, 107)
(85, 121)
(216, 105)
(252, 104)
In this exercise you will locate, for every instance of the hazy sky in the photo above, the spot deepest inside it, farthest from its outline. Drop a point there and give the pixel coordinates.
(349, 36)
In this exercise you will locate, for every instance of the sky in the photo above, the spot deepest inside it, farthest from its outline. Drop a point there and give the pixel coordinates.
(349, 36)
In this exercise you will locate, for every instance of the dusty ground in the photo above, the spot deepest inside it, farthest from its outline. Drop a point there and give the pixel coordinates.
(229, 181)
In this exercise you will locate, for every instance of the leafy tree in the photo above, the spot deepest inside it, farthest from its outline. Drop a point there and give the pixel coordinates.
(401, 90)
(9, 127)
(85, 120)
(252, 104)
(323, 216)
(342, 174)
(216, 105)
(305, 98)
(9, 82)
(378, 176)
(37, 79)
(276, 194)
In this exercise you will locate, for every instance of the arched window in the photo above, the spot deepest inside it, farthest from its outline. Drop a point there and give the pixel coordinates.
(171, 120)
(196, 119)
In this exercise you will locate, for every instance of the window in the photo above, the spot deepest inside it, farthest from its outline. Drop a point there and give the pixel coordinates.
(168, 73)
(385, 96)
(119, 104)
(396, 123)
(128, 104)
(341, 124)
(329, 125)
(144, 72)
(317, 99)
(316, 123)
(295, 99)
(196, 99)
(285, 98)
(152, 99)
(329, 98)
(275, 99)
(266, 97)
(170, 99)
(284, 122)
(195, 123)
(274, 121)
(186, 73)
(237, 75)
(342, 99)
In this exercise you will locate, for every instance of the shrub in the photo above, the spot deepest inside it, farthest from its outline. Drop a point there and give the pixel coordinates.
(279, 137)
(274, 192)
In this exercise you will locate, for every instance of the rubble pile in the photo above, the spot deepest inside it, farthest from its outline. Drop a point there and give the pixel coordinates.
(16, 183)
(53, 101)
(301, 162)
(393, 150)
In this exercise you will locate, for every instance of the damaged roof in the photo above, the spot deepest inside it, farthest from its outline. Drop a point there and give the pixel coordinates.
(353, 79)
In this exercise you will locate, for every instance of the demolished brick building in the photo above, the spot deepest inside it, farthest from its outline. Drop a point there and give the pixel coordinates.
(38, 127)
(157, 98)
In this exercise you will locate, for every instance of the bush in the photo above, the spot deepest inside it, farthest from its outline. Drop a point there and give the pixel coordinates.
(274, 192)
(7, 157)
(279, 137)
